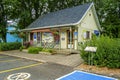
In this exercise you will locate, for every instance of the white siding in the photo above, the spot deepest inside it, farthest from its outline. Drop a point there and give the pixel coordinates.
(87, 24)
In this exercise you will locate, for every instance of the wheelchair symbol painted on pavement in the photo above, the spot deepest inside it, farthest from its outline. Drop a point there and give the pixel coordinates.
(19, 76)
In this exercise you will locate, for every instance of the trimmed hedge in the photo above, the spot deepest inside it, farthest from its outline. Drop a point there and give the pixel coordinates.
(108, 52)
(10, 46)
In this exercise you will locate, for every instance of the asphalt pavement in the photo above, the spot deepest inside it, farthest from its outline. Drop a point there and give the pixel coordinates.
(36, 70)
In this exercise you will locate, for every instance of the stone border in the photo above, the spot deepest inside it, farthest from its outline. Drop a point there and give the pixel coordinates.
(25, 57)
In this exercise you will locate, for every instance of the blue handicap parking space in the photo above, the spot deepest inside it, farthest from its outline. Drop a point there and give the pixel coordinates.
(80, 75)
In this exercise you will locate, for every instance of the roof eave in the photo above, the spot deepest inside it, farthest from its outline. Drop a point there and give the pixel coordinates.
(29, 29)
(97, 20)
(70, 24)
(96, 17)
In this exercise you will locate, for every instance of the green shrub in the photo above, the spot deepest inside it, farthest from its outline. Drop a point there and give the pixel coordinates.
(40, 48)
(26, 44)
(51, 51)
(108, 52)
(21, 48)
(33, 50)
(47, 50)
(10, 46)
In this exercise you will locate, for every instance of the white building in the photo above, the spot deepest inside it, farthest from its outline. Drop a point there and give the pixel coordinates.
(66, 28)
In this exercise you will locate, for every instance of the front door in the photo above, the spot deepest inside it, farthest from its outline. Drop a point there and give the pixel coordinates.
(31, 36)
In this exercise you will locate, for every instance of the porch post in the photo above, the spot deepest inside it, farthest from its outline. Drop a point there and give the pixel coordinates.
(29, 36)
(40, 39)
(75, 39)
(59, 40)
(70, 39)
(26, 36)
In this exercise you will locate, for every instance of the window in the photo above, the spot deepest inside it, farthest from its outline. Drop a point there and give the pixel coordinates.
(87, 34)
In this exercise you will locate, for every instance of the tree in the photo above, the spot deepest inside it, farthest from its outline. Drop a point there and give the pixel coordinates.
(111, 20)
(4, 9)
(26, 11)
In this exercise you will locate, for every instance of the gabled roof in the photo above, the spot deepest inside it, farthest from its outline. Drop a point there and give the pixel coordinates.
(65, 17)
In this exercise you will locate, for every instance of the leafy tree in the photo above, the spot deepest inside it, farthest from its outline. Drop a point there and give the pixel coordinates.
(26, 11)
(4, 9)
(111, 20)
(54, 5)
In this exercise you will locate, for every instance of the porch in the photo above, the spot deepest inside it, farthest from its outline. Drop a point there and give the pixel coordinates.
(64, 38)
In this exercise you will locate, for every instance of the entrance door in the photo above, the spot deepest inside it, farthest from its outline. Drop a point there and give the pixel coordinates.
(31, 36)
(70, 41)
(56, 38)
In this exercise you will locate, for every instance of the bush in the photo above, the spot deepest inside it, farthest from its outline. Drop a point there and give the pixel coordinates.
(40, 48)
(21, 48)
(9, 46)
(51, 51)
(33, 50)
(26, 44)
(47, 50)
(108, 52)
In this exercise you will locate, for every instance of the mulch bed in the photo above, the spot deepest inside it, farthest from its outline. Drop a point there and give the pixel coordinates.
(100, 70)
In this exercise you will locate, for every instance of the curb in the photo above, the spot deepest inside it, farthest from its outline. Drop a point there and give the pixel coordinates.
(25, 57)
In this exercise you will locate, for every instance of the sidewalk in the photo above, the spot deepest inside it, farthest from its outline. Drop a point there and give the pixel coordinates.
(72, 60)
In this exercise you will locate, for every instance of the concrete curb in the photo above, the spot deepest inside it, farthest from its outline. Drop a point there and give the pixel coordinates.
(25, 57)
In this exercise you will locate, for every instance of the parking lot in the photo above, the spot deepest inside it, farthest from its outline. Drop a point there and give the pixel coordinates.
(13, 68)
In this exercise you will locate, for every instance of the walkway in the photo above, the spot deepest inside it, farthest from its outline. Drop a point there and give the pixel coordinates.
(72, 60)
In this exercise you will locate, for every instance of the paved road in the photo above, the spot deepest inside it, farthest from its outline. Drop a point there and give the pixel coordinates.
(37, 70)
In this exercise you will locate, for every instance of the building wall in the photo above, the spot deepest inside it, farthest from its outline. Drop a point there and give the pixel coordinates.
(87, 24)
(47, 37)
(12, 37)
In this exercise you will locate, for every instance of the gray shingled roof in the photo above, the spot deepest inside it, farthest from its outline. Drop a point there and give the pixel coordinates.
(61, 17)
